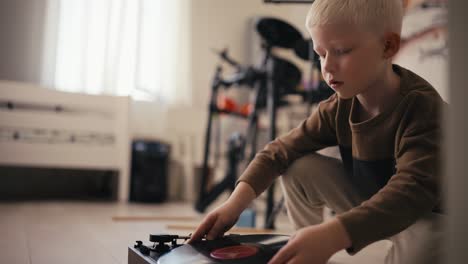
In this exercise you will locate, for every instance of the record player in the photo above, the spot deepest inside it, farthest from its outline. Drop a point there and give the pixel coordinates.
(258, 248)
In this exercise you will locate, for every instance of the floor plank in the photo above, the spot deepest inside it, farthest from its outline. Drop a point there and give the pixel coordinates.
(14, 244)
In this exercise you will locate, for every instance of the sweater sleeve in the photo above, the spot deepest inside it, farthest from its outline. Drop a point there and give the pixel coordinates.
(314, 133)
(414, 189)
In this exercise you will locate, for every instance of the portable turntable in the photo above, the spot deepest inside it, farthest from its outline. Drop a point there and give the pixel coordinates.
(229, 249)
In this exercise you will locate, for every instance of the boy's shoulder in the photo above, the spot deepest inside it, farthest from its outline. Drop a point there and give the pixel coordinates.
(414, 87)
(420, 102)
(329, 106)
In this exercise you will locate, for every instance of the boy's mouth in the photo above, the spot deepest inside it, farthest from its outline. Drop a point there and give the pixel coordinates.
(335, 84)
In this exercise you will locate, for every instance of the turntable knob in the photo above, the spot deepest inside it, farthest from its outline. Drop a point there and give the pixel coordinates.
(138, 244)
(142, 248)
(161, 248)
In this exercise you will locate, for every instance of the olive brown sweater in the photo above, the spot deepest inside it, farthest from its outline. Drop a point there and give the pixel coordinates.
(394, 158)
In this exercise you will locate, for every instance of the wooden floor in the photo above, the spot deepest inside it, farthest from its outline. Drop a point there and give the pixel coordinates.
(85, 232)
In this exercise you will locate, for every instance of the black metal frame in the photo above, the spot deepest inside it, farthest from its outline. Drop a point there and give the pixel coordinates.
(260, 80)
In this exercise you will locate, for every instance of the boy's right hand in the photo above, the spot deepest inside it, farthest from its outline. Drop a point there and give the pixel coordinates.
(217, 222)
(224, 217)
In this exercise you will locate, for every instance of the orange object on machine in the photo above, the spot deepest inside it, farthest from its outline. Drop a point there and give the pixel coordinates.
(226, 104)
(246, 109)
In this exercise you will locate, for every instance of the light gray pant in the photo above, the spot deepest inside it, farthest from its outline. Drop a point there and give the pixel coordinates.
(315, 181)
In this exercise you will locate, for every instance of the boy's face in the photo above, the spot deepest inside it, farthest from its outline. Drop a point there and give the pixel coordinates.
(352, 58)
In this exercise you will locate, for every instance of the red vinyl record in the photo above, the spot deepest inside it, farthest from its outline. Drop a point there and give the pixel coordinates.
(234, 252)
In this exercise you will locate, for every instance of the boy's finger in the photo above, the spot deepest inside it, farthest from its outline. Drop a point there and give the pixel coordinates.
(217, 230)
(284, 255)
(202, 229)
(295, 260)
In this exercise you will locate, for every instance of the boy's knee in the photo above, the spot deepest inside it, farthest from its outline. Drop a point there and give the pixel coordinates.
(313, 172)
(304, 169)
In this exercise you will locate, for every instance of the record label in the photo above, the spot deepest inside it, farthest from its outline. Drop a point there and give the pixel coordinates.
(234, 252)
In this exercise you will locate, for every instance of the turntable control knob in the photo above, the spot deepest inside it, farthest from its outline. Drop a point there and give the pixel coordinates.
(138, 244)
(143, 249)
(161, 248)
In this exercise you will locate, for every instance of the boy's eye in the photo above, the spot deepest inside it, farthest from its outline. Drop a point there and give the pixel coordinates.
(342, 51)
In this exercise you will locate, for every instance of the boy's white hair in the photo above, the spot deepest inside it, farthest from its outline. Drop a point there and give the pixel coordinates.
(377, 15)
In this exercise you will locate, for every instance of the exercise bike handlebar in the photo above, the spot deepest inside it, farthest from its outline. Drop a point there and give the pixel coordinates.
(242, 76)
(225, 57)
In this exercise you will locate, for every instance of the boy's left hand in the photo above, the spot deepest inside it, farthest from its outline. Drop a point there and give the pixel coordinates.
(314, 244)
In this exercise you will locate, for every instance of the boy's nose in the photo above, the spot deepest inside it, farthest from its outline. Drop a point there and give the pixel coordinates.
(328, 64)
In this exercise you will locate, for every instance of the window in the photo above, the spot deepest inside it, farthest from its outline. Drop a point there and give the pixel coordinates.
(119, 47)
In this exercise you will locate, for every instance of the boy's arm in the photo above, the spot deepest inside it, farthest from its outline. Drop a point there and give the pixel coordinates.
(316, 132)
(241, 197)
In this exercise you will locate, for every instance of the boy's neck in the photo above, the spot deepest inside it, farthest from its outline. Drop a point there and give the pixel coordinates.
(380, 96)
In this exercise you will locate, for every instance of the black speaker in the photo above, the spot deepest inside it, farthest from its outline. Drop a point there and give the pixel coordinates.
(149, 171)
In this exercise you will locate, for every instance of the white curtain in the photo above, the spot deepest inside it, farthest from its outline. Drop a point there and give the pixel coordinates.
(119, 47)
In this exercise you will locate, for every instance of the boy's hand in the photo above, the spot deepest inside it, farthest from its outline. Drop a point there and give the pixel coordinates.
(314, 244)
(224, 217)
(216, 223)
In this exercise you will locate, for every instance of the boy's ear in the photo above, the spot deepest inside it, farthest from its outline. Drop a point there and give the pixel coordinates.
(391, 44)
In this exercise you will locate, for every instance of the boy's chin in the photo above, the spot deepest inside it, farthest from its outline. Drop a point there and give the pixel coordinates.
(345, 96)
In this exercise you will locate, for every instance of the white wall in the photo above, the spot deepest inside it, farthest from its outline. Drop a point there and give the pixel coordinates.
(21, 39)
(148, 120)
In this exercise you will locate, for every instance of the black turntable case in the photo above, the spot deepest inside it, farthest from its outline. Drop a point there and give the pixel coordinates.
(230, 249)
(149, 170)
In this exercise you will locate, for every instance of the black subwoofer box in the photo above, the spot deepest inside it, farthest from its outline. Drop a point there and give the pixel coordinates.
(149, 171)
